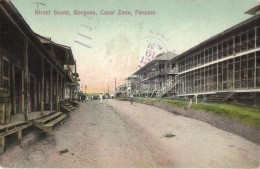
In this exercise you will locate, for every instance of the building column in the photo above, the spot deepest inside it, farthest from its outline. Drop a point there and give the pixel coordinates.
(14, 90)
(22, 95)
(26, 81)
(35, 94)
(57, 91)
(234, 52)
(61, 87)
(42, 85)
(51, 87)
(2, 145)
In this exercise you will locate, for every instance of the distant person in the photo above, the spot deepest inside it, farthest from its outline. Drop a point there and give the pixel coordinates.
(101, 98)
(81, 98)
(87, 98)
(84, 98)
(131, 98)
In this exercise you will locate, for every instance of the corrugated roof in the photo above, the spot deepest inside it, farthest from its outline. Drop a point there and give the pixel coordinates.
(26, 30)
(48, 40)
(219, 35)
(166, 56)
(254, 11)
(160, 57)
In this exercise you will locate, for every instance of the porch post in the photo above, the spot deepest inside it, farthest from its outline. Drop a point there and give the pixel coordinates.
(14, 90)
(51, 88)
(42, 85)
(26, 81)
(35, 94)
(57, 91)
(61, 84)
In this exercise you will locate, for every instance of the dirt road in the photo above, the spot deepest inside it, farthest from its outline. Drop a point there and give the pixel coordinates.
(117, 134)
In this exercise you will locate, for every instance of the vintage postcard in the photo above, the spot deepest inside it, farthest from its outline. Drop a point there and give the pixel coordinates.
(129, 83)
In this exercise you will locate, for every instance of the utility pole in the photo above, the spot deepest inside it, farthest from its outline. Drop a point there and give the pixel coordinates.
(85, 89)
(115, 89)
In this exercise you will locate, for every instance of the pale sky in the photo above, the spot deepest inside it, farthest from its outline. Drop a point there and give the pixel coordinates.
(118, 43)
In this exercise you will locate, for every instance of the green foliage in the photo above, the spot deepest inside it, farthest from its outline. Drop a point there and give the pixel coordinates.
(177, 103)
(246, 115)
(169, 135)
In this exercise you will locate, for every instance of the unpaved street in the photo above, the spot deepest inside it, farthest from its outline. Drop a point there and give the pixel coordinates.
(117, 134)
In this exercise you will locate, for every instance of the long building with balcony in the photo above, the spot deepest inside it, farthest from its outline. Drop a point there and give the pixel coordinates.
(155, 78)
(36, 76)
(224, 67)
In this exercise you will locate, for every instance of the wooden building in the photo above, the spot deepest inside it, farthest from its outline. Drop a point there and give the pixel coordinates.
(35, 74)
(224, 67)
(155, 78)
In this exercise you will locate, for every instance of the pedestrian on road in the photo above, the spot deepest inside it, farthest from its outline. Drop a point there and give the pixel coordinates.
(101, 98)
(131, 98)
(87, 98)
(84, 98)
(81, 98)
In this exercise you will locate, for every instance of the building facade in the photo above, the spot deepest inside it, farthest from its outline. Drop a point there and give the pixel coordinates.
(156, 78)
(227, 64)
(224, 67)
(35, 73)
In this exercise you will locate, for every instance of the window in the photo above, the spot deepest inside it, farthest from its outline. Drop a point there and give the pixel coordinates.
(225, 48)
(230, 46)
(258, 59)
(206, 56)
(251, 39)
(214, 56)
(244, 41)
(237, 44)
(210, 54)
(258, 37)
(220, 50)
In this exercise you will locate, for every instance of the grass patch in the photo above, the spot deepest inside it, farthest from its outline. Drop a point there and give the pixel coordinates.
(177, 103)
(169, 135)
(246, 115)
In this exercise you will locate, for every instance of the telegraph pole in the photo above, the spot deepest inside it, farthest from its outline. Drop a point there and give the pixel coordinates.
(85, 89)
(115, 89)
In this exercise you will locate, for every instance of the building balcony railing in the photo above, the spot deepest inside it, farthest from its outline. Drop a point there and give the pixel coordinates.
(69, 71)
(173, 71)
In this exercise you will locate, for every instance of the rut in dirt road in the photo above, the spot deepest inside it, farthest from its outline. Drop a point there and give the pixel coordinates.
(94, 135)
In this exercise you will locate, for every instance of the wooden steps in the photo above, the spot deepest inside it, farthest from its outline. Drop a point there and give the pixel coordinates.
(48, 118)
(47, 123)
(48, 127)
(67, 106)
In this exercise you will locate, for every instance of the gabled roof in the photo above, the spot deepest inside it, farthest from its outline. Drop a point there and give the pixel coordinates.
(15, 17)
(48, 40)
(160, 57)
(254, 11)
(220, 35)
(165, 56)
(44, 39)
